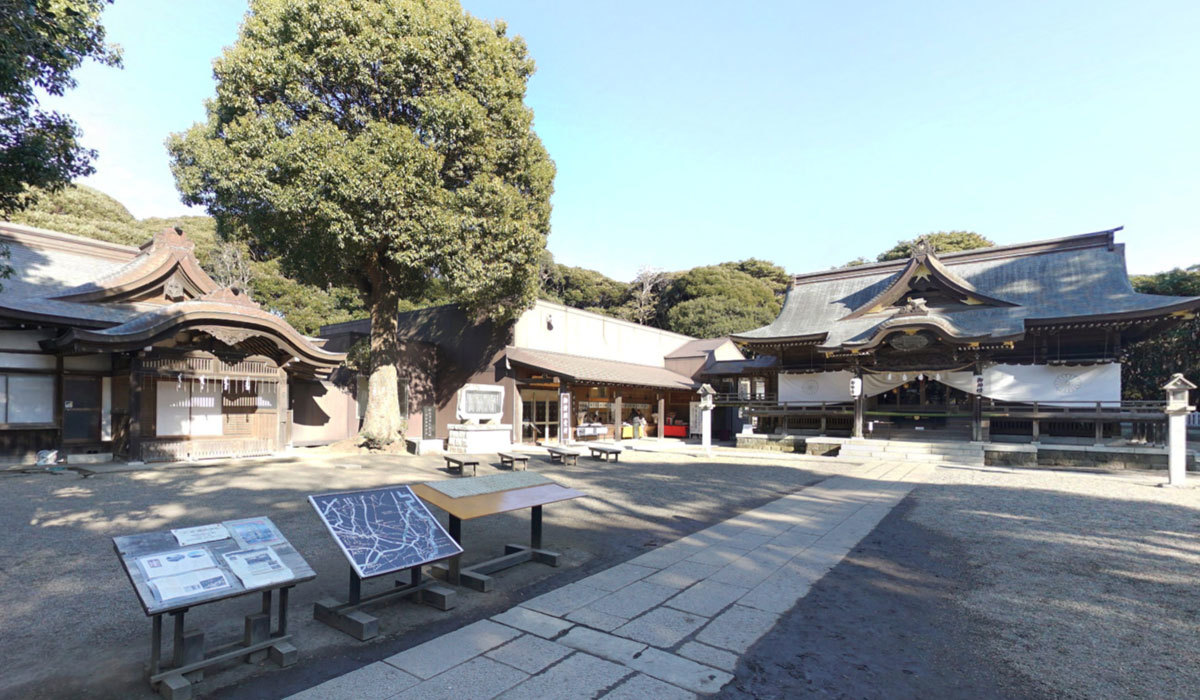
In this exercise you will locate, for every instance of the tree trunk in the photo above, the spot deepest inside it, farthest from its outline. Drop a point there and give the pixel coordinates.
(383, 423)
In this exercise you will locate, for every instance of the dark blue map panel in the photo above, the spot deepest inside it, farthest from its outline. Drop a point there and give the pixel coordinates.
(384, 530)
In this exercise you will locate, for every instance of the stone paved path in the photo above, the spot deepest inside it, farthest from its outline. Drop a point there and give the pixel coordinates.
(670, 623)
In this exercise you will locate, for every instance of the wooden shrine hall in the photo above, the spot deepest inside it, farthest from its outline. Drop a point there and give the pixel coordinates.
(1021, 341)
(113, 351)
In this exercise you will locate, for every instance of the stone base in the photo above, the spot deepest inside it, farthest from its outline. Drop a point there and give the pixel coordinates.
(471, 439)
(419, 446)
(100, 458)
(771, 443)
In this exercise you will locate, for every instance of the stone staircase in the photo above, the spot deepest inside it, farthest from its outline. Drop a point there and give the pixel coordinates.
(863, 450)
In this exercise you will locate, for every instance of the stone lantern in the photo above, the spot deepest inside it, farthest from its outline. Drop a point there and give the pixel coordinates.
(1177, 409)
(706, 407)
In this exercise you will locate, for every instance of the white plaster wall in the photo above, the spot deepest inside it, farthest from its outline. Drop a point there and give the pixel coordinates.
(556, 328)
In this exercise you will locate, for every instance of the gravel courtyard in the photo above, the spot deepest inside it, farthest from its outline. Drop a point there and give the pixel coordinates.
(996, 583)
(70, 624)
(982, 583)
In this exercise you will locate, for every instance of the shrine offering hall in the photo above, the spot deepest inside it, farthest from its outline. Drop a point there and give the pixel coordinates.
(1018, 342)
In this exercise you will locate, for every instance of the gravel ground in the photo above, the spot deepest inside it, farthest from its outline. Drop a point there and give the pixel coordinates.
(1089, 580)
(1002, 583)
(70, 625)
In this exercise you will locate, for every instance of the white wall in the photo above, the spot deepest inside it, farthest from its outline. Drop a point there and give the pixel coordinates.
(556, 328)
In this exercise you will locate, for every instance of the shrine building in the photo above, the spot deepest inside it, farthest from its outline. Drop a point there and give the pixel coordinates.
(111, 351)
(1016, 342)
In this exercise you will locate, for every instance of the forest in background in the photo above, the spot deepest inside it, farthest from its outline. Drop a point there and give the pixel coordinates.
(704, 302)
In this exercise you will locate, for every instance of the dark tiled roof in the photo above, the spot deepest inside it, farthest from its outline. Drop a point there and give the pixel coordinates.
(1066, 278)
(741, 366)
(587, 369)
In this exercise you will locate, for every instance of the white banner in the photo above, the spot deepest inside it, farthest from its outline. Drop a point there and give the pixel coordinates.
(1053, 383)
(815, 388)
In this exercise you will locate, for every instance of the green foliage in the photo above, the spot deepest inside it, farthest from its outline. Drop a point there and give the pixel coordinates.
(712, 301)
(775, 276)
(307, 307)
(583, 288)
(41, 42)
(1149, 364)
(942, 241)
(82, 211)
(383, 144)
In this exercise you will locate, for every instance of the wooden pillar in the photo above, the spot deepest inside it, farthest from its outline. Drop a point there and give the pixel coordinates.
(662, 417)
(518, 434)
(617, 417)
(135, 410)
(58, 407)
(976, 412)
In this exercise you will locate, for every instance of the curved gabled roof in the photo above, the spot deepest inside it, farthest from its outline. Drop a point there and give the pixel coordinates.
(157, 294)
(1019, 286)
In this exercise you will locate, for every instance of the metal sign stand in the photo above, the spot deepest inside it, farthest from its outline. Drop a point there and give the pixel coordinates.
(476, 576)
(349, 618)
(188, 656)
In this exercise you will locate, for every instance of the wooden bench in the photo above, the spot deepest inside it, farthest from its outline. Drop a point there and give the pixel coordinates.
(510, 460)
(459, 462)
(604, 452)
(564, 454)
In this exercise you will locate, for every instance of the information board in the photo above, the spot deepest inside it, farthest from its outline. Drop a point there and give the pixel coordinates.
(384, 530)
(179, 568)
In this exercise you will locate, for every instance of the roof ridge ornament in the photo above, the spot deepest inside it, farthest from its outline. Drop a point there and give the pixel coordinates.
(231, 295)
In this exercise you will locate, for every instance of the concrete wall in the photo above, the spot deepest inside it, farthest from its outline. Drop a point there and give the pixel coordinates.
(557, 328)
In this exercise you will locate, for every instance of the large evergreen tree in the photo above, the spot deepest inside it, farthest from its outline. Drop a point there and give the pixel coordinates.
(41, 43)
(380, 142)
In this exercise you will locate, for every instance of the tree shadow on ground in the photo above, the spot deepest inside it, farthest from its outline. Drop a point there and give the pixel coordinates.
(983, 591)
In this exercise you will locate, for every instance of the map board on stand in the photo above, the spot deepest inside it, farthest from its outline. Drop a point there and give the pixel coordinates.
(384, 530)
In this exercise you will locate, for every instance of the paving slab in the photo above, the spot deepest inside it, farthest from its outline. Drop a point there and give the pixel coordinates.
(618, 576)
(479, 679)
(737, 628)
(643, 687)
(533, 622)
(529, 653)
(563, 600)
(372, 682)
(667, 554)
(596, 619)
(602, 644)
(753, 568)
(662, 627)
(437, 655)
(679, 671)
(707, 598)
(709, 656)
(683, 574)
(720, 555)
(633, 600)
(578, 676)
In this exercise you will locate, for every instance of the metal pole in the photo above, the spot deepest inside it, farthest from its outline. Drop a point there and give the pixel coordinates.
(283, 605)
(535, 528)
(155, 644)
(355, 588)
(177, 641)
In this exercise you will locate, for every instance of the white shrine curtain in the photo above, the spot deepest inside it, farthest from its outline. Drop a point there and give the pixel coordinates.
(815, 388)
(1053, 383)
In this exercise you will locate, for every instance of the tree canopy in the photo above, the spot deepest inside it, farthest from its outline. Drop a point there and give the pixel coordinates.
(1149, 364)
(942, 242)
(717, 300)
(41, 43)
(384, 143)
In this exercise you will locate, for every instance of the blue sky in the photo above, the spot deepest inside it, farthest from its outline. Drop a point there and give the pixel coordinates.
(806, 133)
